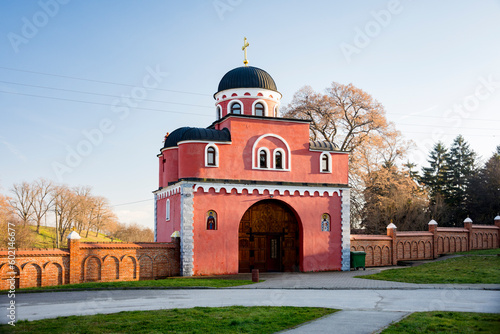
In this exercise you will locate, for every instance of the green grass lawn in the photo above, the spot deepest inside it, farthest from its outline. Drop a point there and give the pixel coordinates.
(494, 251)
(447, 322)
(235, 319)
(172, 282)
(459, 270)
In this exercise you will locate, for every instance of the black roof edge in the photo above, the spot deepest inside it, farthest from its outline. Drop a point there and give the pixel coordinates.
(267, 118)
(279, 183)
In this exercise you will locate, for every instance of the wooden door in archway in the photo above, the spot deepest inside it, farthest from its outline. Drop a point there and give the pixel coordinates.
(269, 238)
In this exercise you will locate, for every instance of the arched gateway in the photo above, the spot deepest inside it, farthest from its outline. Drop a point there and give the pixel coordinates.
(269, 238)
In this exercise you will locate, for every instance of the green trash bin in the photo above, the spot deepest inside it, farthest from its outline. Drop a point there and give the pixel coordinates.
(358, 260)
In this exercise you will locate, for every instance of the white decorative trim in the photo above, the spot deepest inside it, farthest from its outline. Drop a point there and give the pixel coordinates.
(254, 94)
(167, 191)
(230, 104)
(288, 155)
(329, 162)
(264, 103)
(167, 210)
(268, 157)
(156, 218)
(187, 240)
(73, 236)
(346, 229)
(276, 110)
(216, 158)
(250, 188)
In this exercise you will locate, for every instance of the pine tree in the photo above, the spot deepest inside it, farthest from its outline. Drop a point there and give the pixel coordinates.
(436, 176)
(484, 191)
(461, 162)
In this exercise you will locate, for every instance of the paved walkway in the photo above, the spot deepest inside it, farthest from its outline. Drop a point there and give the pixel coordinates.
(344, 280)
(363, 311)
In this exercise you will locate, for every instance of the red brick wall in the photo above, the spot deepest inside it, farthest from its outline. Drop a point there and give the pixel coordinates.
(91, 262)
(381, 249)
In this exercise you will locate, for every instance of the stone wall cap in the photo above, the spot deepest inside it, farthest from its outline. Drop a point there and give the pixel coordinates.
(73, 236)
(176, 234)
(496, 218)
(433, 222)
(467, 220)
(391, 225)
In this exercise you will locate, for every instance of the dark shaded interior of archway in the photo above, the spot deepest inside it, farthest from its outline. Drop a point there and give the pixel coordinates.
(269, 238)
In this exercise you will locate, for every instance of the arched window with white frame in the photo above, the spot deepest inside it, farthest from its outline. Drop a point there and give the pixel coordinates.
(263, 157)
(276, 111)
(279, 158)
(167, 210)
(325, 162)
(211, 155)
(235, 108)
(259, 109)
(218, 114)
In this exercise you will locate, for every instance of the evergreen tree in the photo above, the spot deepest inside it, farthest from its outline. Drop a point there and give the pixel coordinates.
(484, 190)
(435, 177)
(461, 163)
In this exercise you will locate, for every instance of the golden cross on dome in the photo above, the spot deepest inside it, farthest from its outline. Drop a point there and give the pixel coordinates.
(244, 48)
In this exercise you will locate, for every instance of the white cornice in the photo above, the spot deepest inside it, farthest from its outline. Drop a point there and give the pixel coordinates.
(228, 187)
(168, 191)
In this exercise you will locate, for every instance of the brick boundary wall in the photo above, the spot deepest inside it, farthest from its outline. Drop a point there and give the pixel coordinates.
(105, 262)
(90, 262)
(387, 250)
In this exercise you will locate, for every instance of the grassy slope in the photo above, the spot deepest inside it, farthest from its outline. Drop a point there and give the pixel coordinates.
(46, 238)
(235, 319)
(460, 270)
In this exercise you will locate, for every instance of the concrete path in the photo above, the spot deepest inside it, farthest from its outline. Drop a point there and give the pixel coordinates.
(349, 322)
(344, 280)
(396, 303)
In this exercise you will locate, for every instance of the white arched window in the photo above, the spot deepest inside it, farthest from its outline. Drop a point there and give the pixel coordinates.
(236, 107)
(218, 113)
(325, 162)
(276, 111)
(264, 157)
(259, 108)
(279, 158)
(167, 210)
(271, 157)
(211, 155)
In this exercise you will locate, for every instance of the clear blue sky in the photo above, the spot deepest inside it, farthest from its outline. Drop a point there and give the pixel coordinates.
(435, 66)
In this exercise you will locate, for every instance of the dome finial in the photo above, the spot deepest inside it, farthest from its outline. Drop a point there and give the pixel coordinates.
(244, 48)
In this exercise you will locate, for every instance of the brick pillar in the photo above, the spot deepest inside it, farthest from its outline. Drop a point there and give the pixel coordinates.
(433, 228)
(75, 257)
(468, 226)
(391, 232)
(497, 223)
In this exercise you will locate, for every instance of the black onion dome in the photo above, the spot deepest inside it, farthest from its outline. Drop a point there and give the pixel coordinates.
(188, 133)
(247, 77)
(323, 145)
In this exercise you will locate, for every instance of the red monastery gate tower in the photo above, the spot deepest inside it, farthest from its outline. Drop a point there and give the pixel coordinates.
(251, 191)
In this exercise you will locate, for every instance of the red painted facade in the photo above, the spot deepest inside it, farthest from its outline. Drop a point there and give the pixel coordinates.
(237, 179)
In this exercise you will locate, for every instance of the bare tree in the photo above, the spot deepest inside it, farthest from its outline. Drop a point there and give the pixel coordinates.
(355, 122)
(42, 200)
(65, 210)
(22, 201)
(24, 236)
